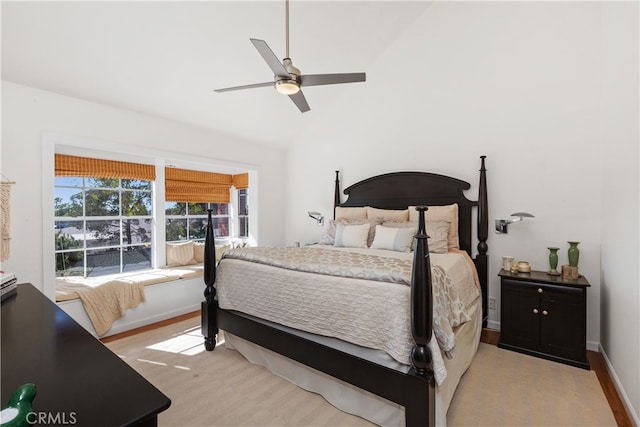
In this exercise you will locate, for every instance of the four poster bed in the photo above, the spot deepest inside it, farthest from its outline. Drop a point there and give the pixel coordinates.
(370, 346)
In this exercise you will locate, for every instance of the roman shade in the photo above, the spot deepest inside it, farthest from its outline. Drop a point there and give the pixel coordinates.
(241, 181)
(184, 185)
(99, 168)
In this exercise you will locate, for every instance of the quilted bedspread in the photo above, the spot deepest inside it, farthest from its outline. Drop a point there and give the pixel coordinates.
(359, 296)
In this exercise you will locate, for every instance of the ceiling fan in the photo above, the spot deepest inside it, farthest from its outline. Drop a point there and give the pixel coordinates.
(287, 79)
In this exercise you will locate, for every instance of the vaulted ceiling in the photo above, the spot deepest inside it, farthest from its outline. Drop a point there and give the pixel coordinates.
(165, 58)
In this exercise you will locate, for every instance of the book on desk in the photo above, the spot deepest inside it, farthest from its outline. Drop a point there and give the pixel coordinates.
(8, 285)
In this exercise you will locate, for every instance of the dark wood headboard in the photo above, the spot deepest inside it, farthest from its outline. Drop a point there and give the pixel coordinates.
(402, 189)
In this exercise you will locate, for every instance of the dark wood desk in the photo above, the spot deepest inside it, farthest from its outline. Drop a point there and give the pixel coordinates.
(73, 371)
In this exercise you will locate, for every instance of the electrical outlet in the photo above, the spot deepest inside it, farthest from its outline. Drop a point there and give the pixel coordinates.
(492, 303)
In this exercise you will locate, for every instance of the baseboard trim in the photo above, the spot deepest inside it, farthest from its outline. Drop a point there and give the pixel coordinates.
(619, 388)
(151, 326)
(492, 324)
(593, 346)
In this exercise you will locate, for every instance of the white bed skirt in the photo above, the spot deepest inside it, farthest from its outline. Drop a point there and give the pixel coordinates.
(359, 402)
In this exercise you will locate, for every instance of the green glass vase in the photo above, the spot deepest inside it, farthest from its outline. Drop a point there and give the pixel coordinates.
(553, 260)
(574, 254)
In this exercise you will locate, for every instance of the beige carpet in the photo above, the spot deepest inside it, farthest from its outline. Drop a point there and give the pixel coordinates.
(221, 388)
(505, 388)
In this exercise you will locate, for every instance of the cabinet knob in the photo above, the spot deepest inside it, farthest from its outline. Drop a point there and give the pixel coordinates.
(540, 290)
(545, 312)
(535, 311)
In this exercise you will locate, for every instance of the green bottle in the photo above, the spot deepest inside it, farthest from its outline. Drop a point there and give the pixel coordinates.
(19, 406)
(574, 254)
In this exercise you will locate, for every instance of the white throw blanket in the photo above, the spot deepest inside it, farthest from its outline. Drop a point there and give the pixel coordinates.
(106, 302)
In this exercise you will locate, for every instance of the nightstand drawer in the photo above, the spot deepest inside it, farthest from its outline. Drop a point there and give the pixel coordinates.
(544, 288)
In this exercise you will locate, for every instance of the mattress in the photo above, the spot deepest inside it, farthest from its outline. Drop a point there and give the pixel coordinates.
(364, 311)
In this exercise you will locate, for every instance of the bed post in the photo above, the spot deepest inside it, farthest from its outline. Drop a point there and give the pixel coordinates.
(209, 306)
(421, 327)
(336, 194)
(482, 259)
(421, 300)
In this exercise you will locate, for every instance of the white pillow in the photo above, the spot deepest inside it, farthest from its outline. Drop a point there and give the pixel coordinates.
(352, 236)
(221, 249)
(393, 238)
(198, 252)
(180, 254)
(329, 235)
(438, 232)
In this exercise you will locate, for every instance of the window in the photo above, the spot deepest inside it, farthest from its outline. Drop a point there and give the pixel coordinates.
(104, 219)
(243, 213)
(188, 221)
(188, 195)
(102, 225)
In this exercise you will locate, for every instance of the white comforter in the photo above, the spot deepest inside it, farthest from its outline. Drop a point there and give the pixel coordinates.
(370, 313)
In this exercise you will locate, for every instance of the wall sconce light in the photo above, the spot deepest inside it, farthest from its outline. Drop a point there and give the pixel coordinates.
(317, 216)
(501, 224)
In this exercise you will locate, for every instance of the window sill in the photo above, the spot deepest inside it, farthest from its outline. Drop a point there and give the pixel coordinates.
(67, 287)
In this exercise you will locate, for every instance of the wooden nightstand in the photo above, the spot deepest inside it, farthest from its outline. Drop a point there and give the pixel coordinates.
(544, 316)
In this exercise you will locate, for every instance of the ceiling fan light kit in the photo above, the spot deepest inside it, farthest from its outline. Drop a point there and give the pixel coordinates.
(288, 79)
(287, 87)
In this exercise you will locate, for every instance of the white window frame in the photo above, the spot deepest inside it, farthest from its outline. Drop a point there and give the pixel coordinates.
(84, 218)
(53, 143)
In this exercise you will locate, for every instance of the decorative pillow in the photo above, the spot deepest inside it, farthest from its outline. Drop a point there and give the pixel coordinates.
(388, 214)
(328, 238)
(401, 224)
(397, 239)
(180, 254)
(351, 213)
(221, 249)
(437, 231)
(329, 235)
(448, 213)
(198, 252)
(352, 236)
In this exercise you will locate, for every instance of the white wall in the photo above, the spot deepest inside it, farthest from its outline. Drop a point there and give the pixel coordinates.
(28, 113)
(620, 336)
(518, 82)
(549, 92)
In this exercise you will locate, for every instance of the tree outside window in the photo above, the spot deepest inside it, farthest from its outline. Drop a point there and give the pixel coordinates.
(188, 221)
(102, 226)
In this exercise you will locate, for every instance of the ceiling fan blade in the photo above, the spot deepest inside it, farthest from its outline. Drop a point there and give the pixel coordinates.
(331, 79)
(300, 101)
(227, 89)
(270, 58)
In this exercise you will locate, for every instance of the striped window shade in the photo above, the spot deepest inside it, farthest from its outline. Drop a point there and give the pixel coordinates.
(99, 168)
(183, 185)
(241, 181)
